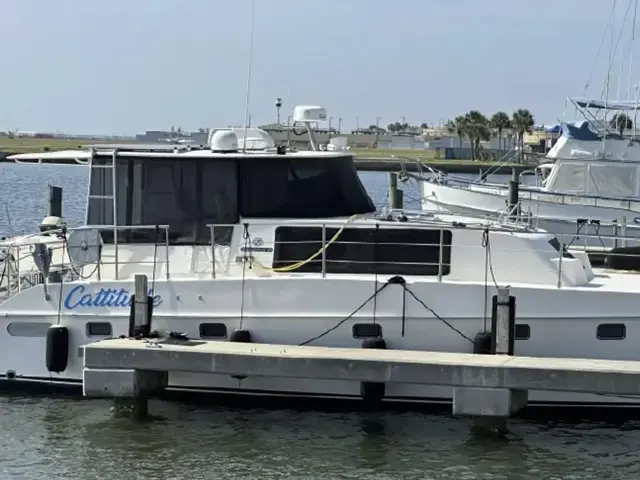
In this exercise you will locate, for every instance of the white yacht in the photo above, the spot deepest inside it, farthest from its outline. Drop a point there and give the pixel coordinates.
(592, 187)
(287, 248)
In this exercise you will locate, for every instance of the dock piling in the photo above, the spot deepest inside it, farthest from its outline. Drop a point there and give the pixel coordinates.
(395, 196)
(129, 388)
(491, 407)
(55, 201)
(140, 320)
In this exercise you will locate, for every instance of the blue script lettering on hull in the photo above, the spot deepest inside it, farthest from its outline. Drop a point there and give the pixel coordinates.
(78, 297)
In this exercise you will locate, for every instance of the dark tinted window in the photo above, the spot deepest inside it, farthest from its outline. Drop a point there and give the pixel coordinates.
(611, 331)
(367, 330)
(99, 329)
(188, 193)
(213, 330)
(394, 251)
(185, 193)
(523, 332)
(294, 187)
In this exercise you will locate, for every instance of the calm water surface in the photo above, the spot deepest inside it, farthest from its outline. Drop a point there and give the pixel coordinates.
(64, 438)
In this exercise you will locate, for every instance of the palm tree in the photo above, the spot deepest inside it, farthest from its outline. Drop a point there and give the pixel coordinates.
(477, 129)
(500, 121)
(522, 122)
(460, 127)
(621, 122)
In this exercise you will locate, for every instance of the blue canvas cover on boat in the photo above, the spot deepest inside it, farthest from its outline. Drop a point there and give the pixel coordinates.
(579, 131)
(557, 128)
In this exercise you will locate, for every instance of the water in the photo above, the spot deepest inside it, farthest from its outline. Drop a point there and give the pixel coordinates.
(67, 438)
(78, 439)
(23, 203)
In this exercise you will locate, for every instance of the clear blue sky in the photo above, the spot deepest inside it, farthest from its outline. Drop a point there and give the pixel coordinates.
(124, 66)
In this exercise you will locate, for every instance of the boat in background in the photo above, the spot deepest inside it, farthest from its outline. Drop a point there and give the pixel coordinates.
(592, 187)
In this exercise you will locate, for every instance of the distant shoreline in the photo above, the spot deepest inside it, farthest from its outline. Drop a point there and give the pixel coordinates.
(367, 159)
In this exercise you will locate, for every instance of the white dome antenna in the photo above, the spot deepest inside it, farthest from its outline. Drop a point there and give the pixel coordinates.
(308, 114)
(224, 141)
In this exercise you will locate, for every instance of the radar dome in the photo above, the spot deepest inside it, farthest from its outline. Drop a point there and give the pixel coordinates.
(224, 141)
(309, 113)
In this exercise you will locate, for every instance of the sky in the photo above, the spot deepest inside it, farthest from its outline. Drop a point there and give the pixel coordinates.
(126, 66)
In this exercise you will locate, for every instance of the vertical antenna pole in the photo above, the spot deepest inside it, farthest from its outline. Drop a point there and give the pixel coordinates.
(633, 39)
(607, 85)
(246, 107)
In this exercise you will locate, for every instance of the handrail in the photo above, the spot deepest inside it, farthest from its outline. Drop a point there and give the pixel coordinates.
(423, 221)
(434, 225)
(57, 241)
(536, 189)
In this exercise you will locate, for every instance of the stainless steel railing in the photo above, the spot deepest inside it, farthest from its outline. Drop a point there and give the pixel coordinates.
(564, 241)
(13, 274)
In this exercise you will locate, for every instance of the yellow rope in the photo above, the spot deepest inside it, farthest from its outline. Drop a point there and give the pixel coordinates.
(295, 266)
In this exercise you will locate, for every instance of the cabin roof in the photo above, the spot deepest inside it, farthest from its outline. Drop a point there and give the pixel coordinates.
(170, 153)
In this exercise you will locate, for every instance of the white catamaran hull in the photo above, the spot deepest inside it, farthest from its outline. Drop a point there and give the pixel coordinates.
(290, 311)
(546, 209)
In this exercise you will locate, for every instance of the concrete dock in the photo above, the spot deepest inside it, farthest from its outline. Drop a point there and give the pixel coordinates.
(488, 387)
(367, 365)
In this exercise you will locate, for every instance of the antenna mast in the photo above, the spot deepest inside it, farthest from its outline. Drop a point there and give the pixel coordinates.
(248, 95)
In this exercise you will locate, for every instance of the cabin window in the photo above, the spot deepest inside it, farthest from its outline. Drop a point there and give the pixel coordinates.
(185, 193)
(612, 180)
(611, 331)
(294, 187)
(188, 193)
(212, 330)
(522, 332)
(28, 329)
(386, 251)
(570, 178)
(367, 330)
(99, 329)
